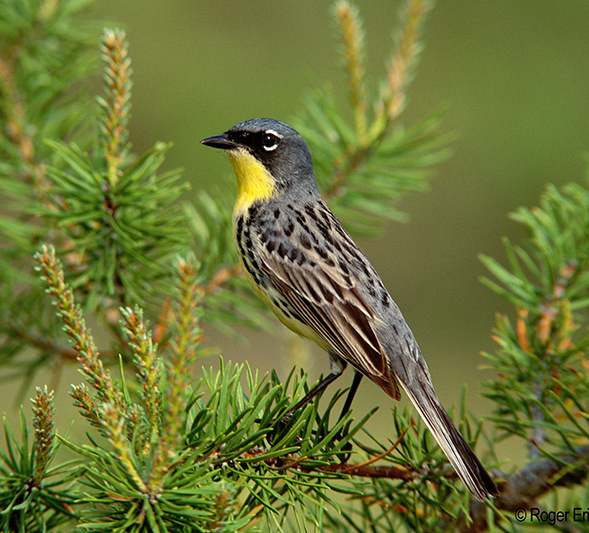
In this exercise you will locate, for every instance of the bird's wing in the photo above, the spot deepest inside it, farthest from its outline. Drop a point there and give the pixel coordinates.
(323, 291)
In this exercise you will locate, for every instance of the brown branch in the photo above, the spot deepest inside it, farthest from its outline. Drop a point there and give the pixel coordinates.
(220, 278)
(373, 460)
(553, 328)
(522, 489)
(17, 124)
(399, 73)
(347, 165)
(518, 491)
(43, 344)
(388, 472)
(364, 469)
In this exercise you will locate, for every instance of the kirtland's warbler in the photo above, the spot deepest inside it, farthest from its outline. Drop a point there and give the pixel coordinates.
(304, 265)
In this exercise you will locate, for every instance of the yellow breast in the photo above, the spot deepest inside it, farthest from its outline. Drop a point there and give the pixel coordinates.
(254, 182)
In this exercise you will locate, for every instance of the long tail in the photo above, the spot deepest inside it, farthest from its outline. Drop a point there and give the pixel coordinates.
(463, 459)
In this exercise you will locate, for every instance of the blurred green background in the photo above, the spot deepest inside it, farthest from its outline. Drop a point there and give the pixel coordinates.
(515, 76)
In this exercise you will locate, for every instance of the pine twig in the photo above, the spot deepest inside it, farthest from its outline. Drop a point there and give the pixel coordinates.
(43, 410)
(403, 60)
(16, 124)
(75, 327)
(43, 344)
(220, 278)
(117, 102)
(353, 43)
(522, 489)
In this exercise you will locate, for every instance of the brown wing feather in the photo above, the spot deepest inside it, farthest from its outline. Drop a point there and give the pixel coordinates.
(326, 299)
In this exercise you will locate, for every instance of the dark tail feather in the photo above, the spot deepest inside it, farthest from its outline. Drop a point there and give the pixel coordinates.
(463, 459)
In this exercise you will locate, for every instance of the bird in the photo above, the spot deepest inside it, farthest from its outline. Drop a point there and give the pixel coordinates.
(306, 268)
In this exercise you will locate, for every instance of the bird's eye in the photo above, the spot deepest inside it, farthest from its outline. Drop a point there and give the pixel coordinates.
(270, 141)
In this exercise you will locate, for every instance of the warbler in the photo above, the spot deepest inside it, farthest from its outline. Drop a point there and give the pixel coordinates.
(306, 268)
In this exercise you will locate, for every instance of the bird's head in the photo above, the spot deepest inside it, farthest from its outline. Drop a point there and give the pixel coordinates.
(269, 157)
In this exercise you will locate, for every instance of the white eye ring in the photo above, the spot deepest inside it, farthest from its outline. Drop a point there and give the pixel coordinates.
(269, 136)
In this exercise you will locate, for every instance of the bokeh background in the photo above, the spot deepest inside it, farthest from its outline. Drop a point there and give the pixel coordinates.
(515, 78)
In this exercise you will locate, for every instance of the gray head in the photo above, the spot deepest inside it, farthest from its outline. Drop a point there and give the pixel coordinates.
(278, 146)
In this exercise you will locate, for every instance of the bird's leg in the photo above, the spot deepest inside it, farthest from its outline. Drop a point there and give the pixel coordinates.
(347, 404)
(309, 396)
(351, 393)
(316, 390)
(336, 367)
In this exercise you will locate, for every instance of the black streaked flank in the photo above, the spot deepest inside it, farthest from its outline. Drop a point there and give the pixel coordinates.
(305, 242)
(343, 267)
(321, 251)
(281, 250)
(253, 211)
(239, 227)
(301, 220)
(288, 228)
(311, 212)
(247, 240)
(293, 254)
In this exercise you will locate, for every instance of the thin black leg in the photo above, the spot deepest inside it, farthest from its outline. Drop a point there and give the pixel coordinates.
(351, 393)
(347, 404)
(330, 378)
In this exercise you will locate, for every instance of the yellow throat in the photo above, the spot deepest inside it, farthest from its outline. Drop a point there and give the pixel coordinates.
(254, 182)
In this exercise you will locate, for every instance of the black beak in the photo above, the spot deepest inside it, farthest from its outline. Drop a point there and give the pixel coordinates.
(219, 141)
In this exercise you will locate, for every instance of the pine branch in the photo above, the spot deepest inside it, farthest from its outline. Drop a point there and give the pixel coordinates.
(363, 168)
(43, 410)
(15, 117)
(74, 326)
(37, 44)
(43, 344)
(116, 104)
(350, 27)
(541, 363)
(402, 65)
(522, 489)
(541, 392)
(146, 362)
(34, 496)
(119, 252)
(44, 66)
